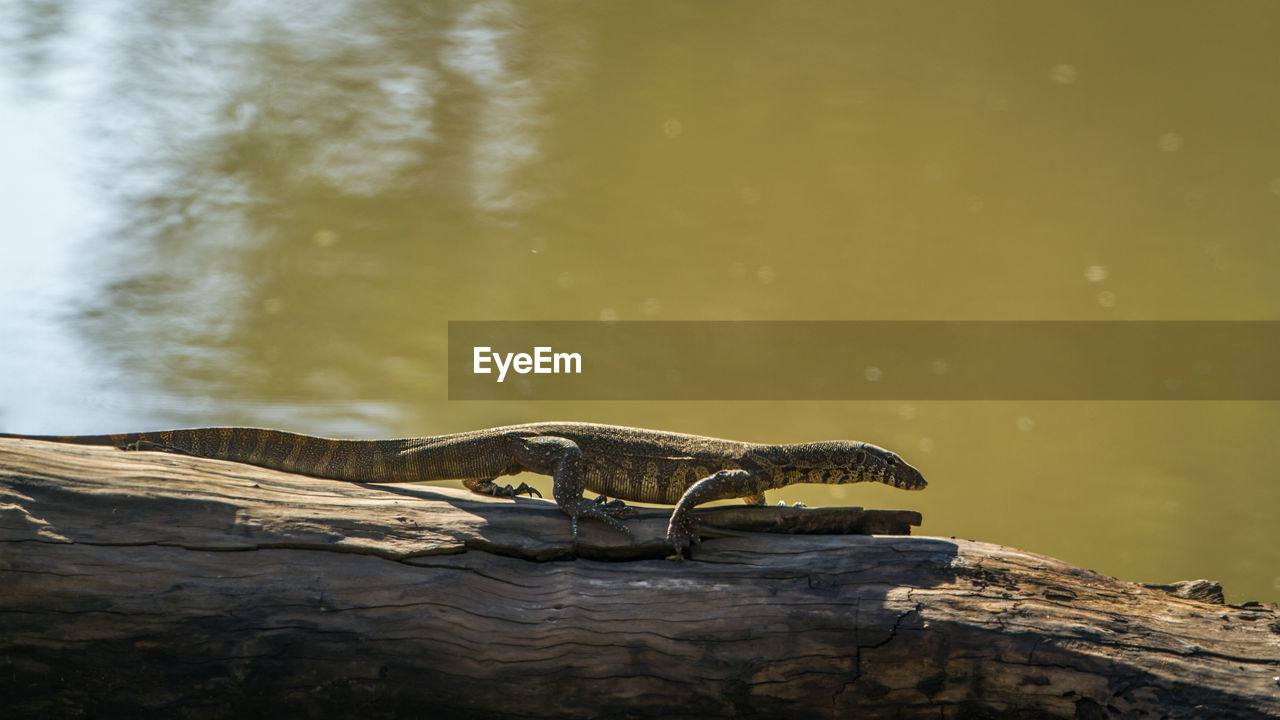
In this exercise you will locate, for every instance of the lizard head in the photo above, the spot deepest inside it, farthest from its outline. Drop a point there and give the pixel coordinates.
(846, 461)
(880, 465)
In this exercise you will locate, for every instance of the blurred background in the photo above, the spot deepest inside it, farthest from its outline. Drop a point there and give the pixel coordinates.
(256, 213)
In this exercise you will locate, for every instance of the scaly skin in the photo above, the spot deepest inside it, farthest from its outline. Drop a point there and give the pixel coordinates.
(624, 463)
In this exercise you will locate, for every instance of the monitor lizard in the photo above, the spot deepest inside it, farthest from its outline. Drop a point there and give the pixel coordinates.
(624, 463)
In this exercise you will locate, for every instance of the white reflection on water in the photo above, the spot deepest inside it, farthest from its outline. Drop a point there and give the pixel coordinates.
(295, 95)
(48, 212)
(508, 116)
(152, 150)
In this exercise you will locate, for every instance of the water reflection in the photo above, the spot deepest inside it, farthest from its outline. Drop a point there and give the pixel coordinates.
(254, 103)
(507, 114)
(254, 152)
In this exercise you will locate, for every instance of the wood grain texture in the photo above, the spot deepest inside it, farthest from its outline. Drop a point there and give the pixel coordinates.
(135, 583)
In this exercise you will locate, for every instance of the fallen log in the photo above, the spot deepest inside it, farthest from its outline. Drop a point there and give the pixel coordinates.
(139, 583)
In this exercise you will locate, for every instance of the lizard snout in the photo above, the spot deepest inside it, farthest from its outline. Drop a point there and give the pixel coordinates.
(908, 478)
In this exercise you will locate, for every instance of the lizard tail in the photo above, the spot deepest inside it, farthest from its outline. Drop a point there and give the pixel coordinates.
(120, 440)
(275, 449)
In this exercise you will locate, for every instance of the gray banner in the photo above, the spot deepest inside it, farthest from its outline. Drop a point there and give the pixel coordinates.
(864, 360)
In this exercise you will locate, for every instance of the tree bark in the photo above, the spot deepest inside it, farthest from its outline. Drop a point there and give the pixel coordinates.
(139, 583)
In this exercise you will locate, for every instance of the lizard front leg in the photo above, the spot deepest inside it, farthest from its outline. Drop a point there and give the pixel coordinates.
(723, 484)
(561, 458)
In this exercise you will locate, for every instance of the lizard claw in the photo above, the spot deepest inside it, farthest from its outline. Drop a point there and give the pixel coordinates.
(615, 508)
(606, 513)
(511, 492)
(680, 532)
(678, 548)
(680, 541)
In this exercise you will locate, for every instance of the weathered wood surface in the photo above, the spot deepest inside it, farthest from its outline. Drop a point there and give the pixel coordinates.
(145, 583)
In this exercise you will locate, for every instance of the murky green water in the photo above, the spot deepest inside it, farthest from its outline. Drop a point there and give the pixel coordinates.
(245, 214)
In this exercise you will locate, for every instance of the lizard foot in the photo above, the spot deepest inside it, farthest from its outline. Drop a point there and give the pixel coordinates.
(615, 508)
(489, 487)
(593, 509)
(508, 491)
(681, 541)
(680, 533)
